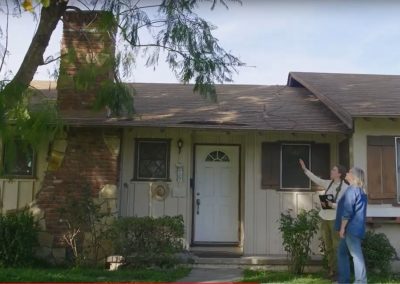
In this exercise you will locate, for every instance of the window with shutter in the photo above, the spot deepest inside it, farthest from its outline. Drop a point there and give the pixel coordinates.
(280, 164)
(381, 169)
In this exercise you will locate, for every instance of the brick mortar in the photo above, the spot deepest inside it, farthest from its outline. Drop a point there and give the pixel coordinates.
(87, 163)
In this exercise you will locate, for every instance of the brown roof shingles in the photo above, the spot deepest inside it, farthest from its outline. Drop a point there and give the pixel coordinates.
(255, 107)
(354, 95)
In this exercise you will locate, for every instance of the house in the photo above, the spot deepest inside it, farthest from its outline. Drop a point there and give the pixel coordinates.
(230, 168)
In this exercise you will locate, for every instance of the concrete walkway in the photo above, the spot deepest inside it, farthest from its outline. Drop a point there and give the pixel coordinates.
(210, 275)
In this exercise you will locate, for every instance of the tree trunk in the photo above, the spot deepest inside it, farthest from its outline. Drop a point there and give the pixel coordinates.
(49, 18)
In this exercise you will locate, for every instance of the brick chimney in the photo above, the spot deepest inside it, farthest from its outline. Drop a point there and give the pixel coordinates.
(86, 46)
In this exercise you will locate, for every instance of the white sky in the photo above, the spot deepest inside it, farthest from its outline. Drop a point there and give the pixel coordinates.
(275, 37)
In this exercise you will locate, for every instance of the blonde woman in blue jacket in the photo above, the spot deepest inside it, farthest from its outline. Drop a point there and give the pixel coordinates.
(350, 223)
(336, 186)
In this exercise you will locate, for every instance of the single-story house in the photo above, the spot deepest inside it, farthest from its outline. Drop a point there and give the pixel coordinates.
(228, 167)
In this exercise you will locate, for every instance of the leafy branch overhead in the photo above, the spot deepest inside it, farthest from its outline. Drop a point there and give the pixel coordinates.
(192, 51)
(168, 29)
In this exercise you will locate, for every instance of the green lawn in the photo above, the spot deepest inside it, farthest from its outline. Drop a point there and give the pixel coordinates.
(89, 275)
(314, 278)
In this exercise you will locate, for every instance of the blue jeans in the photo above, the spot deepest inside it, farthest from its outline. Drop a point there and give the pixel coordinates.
(351, 245)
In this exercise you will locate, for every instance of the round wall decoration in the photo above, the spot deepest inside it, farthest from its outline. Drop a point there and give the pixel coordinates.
(159, 191)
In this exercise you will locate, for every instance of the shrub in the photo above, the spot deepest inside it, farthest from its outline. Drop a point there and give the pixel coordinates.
(297, 233)
(147, 241)
(86, 228)
(18, 239)
(378, 252)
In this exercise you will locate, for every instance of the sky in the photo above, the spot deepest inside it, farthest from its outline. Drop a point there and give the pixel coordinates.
(273, 37)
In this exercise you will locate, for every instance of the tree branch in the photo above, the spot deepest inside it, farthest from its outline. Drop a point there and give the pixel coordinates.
(6, 45)
(45, 62)
(49, 18)
(135, 7)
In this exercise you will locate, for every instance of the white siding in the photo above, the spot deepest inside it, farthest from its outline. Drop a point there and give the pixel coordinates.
(134, 196)
(18, 193)
(263, 206)
(260, 208)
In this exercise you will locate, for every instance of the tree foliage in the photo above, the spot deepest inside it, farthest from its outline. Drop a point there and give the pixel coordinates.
(169, 29)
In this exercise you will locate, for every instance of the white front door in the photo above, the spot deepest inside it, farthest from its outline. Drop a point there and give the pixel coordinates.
(216, 194)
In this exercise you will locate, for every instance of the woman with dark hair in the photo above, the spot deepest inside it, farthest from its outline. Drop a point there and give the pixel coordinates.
(335, 187)
(350, 223)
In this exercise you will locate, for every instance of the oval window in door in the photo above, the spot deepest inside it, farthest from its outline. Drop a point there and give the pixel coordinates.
(217, 156)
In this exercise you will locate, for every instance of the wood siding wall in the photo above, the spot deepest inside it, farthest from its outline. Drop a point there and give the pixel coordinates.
(260, 208)
(263, 206)
(18, 193)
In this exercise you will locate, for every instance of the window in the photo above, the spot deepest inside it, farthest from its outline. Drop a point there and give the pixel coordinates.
(152, 159)
(18, 160)
(217, 156)
(292, 175)
(280, 164)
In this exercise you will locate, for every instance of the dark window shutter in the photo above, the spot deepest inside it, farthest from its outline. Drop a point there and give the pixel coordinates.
(270, 165)
(381, 169)
(320, 160)
(344, 153)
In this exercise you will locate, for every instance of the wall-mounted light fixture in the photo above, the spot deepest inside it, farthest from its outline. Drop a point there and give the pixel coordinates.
(179, 143)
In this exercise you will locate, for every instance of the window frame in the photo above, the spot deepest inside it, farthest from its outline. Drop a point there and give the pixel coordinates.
(309, 145)
(397, 149)
(138, 141)
(5, 175)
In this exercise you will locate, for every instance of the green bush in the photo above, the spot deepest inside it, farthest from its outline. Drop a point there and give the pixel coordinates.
(82, 216)
(378, 252)
(147, 241)
(297, 233)
(18, 239)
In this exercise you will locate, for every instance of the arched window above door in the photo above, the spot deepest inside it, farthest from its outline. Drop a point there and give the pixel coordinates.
(217, 156)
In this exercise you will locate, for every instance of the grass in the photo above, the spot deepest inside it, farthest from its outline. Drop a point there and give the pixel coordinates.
(282, 277)
(89, 275)
(312, 278)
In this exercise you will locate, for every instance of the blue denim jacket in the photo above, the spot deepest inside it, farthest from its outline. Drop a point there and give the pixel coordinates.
(353, 207)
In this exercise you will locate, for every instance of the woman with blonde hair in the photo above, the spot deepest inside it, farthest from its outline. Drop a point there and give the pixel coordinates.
(335, 187)
(350, 223)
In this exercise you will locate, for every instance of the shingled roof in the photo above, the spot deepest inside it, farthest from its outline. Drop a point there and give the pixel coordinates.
(353, 95)
(252, 107)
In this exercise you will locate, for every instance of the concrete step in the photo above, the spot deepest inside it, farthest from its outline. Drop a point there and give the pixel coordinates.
(252, 262)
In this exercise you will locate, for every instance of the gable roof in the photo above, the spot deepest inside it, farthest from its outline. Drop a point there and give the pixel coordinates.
(353, 95)
(254, 107)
